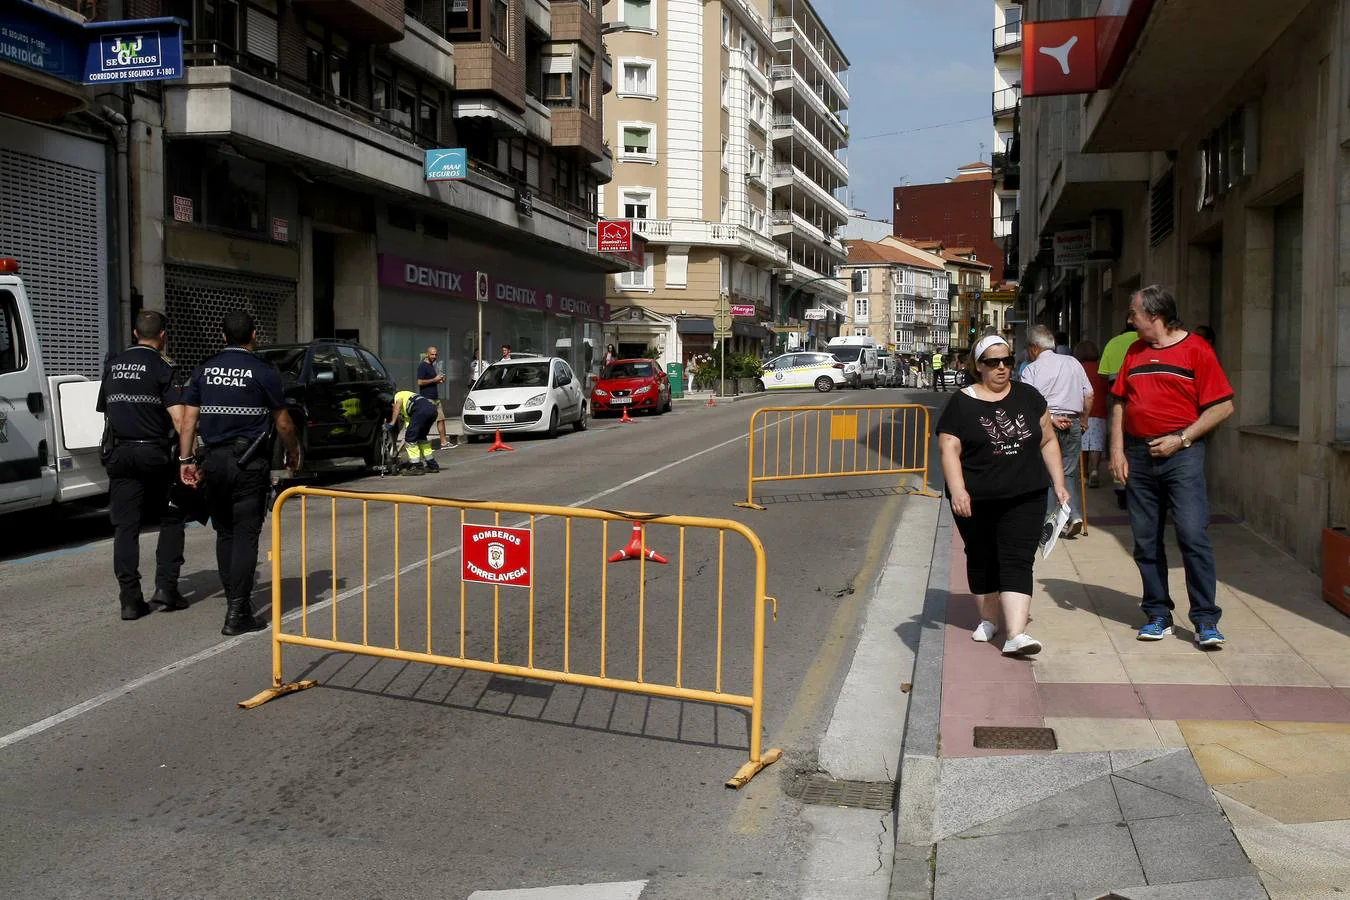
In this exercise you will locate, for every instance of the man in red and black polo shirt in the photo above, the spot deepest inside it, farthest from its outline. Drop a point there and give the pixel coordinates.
(1171, 393)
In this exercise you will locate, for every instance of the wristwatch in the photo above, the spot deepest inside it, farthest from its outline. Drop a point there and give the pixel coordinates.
(1185, 441)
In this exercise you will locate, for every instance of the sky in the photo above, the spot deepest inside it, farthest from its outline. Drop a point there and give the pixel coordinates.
(913, 64)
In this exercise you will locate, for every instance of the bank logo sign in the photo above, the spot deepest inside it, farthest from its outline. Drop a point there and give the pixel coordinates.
(146, 56)
(447, 165)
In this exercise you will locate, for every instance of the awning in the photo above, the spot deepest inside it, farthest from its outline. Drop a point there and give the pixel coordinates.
(821, 304)
(489, 109)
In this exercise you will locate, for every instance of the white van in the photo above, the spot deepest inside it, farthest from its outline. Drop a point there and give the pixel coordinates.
(860, 358)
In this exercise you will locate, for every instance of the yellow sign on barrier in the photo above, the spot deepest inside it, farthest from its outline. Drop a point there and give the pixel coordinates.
(540, 629)
(791, 443)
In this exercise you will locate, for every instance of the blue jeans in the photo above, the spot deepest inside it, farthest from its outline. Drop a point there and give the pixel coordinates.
(1071, 449)
(1176, 485)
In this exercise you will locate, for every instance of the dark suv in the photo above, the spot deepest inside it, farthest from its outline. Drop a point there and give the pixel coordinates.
(338, 394)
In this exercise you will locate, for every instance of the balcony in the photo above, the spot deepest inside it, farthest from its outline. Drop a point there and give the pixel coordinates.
(788, 128)
(368, 21)
(786, 78)
(786, 29)
(796, 273)
(1006, 101)
(1007, 174)
(1003, 226)
(789, 176)
(711, 234)
(1008, 37)
(578, 130)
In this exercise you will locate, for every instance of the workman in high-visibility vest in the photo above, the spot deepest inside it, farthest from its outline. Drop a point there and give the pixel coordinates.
(417, 414)
(937, 372)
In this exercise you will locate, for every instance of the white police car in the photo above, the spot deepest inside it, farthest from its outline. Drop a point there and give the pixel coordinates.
(802, 370)
(525, 393)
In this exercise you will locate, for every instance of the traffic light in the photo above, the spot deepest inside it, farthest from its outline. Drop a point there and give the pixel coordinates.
(971, 331)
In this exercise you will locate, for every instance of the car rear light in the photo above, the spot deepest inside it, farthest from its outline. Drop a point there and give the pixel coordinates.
(836, 365)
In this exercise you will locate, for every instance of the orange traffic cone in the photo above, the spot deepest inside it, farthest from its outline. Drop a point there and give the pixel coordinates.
(625, 420)
(711, 401)
(634, 549)
(499, 444)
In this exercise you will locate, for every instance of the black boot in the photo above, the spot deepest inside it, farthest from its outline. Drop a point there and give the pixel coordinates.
(135, 608)
(239, 618)
(169, 598)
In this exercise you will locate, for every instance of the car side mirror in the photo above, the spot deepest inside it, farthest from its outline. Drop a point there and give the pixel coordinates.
(325, 376)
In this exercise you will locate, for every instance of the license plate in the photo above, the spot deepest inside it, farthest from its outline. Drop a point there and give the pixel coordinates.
(621, 401)
(500, 418)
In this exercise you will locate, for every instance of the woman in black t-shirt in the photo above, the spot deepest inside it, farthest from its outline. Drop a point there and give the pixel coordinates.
(999, 453)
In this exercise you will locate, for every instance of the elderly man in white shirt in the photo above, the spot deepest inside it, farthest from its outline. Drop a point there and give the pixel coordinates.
(1064, 384)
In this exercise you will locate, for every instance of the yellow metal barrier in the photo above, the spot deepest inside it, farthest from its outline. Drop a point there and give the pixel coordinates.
(799, 442)
(496, 557)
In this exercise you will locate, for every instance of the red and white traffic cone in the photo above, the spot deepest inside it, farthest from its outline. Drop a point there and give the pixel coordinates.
(625, 419)
(711, 401)
(634, 549)
(499, 444)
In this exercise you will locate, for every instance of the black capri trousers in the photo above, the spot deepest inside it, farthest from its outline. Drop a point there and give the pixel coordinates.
(1001, 538)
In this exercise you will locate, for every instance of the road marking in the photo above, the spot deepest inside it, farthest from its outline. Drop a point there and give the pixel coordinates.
(122, 690)
(610, 890)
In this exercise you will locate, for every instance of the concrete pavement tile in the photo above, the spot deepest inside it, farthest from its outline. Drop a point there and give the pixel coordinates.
(1140, 802)
(1309, 727)
(1246, 888)
(986, 699)
(1240, 813)
(1221, 765)
(1261, 668)
(1169, 735)
(1200, 731)
(1072, 667)
(1079, 735)
(1192, 667)
(1082, 858)
(1304, 860)
(1092, 700)
(1301, 798)
(1128, 759)
(972, 661)
(957, 734)
(972, 791)
(1174, 774)
(842, 856)
(1297, 704)
(1334, 667)
(1189, 848)
(1124, 638)
(1297, 754)
(1191, 701)
(1093, 803)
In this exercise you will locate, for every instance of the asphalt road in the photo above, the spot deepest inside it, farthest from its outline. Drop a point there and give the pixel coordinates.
(128, 771)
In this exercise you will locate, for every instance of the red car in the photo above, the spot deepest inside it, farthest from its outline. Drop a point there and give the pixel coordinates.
(631, 384)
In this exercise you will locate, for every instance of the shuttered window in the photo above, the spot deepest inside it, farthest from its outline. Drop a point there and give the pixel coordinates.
(262, 35)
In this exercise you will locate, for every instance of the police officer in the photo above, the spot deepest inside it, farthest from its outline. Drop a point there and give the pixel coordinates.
(143, 406)
(938, 384)
(232, 401)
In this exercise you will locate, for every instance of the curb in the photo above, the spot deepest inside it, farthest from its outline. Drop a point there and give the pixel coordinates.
(916, 793)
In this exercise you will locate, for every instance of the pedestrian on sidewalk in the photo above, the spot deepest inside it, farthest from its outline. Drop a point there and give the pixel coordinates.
(1094, 438)
(430, 377)
(1171, 392)
(1113, 354)
(999, 454)
(937, 372)
(1063, 382)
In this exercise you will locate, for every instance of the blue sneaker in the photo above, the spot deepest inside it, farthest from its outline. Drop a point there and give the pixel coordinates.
(1208, 636)
(1157, 628)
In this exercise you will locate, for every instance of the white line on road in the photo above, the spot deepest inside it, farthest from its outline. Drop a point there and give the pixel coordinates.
(122, 690)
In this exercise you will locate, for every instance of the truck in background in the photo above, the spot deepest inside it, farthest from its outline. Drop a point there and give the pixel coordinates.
(50, 431)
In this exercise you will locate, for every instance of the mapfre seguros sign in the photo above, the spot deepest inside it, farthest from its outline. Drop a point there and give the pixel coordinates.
(496, 555)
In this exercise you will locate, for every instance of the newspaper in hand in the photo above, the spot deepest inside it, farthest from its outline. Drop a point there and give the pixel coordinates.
(1061, 518)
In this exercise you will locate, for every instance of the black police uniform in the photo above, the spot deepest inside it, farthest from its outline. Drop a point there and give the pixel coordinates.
(138, 387)
(236, 393)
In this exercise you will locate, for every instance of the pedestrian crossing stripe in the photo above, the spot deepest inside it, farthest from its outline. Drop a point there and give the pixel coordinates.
(611, 890)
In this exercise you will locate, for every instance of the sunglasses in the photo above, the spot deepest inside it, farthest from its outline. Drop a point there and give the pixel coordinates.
(997, 362)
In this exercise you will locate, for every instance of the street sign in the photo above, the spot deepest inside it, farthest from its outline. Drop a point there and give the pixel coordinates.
(720, 334)
(722, 320)
(815, 314)
(447, 165)
(481, 286)
(722, 317)
(496, 555)
(614, 236)
(999, 296)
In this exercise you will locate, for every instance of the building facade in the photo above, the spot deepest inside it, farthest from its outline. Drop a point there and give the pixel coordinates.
(728, 118)
(285, 173)
(898, 296)
(1231, 191)
(1006, 111)
(955, 213)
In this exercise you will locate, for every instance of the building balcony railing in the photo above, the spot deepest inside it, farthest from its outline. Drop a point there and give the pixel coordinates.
(788, 78)
(1006, 101)
(720, 234)
(785, 29)
(786, 175)
(1008, 37)
(786, 128)
(1007, 170)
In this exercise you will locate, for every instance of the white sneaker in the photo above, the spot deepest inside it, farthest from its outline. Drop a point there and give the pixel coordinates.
(1074, 528)
(1021, 645)
(984, 632)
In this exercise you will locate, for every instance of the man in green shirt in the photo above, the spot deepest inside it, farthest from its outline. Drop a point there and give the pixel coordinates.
(1113, 356)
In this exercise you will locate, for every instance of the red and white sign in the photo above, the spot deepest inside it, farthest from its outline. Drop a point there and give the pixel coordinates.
(615, 236)
(497, 555)
(1059, 57)
(743, 310)
(182, 209)
(281, 230)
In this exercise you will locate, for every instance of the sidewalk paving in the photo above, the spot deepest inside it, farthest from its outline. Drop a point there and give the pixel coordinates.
(1179, 772)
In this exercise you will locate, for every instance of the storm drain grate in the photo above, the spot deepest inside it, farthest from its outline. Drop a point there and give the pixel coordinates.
(989, 737)
(819, 789)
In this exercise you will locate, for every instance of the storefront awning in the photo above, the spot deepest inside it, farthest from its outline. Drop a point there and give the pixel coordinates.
(488, 109)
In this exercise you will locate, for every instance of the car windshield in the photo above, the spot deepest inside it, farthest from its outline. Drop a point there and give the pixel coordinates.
(846, 354)
(288, 360)
(627, 370)
(530, 374)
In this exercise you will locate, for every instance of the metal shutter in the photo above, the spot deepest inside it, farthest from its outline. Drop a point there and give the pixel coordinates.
(52, 220)
(197, 298)
(262, 35)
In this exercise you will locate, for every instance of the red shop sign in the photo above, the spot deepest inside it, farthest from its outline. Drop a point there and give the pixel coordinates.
(497, 555)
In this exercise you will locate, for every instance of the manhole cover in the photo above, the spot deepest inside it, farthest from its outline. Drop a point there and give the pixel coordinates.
(989, 737)
(819, 789)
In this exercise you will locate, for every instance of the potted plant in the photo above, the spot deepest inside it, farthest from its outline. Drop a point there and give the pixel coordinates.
(748, 372)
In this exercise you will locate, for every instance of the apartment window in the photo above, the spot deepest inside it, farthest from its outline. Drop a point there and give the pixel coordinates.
(584, 89)
(637, 142)
(637, 204)
(1286, 315)
(501, 15)
(726, 161)
(756, 219)
(756, 107)
(755, 163)
(638, 13)
(863, 279)
(860, 307)
(722, 217)
(637, 79)
(726, 92)
(641, 280)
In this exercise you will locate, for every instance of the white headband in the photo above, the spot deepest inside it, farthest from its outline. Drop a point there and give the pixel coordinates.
(986, 342)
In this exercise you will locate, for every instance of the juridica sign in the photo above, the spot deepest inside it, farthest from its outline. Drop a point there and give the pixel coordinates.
(90, 52)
